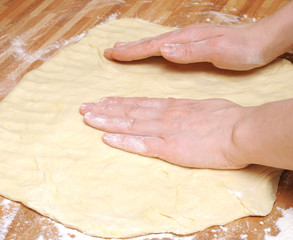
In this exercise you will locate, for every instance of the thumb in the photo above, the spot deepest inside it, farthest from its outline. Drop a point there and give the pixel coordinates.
(191, 52)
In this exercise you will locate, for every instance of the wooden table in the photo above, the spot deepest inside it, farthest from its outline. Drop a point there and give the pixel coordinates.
(33, 30)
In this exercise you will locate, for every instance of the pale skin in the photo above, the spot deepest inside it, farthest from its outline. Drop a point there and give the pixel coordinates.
(212, 133)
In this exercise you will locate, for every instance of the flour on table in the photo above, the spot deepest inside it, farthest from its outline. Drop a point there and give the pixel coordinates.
(284, 224)
(243, 236)
(9, 211)
(26, 58)
(16, 46)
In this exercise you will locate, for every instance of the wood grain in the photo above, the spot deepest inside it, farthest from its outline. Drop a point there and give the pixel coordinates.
(31, 31)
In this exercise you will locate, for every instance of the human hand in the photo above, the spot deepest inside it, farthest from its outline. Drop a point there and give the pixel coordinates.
(235, 47)
(190, 133)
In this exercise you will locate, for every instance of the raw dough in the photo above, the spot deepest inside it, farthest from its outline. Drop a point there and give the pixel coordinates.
(55, 164)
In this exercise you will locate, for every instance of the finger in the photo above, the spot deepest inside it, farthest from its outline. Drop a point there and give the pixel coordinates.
(192, 32)
(146, 146)
(133, 52)
(140, 101)
(202, 51)
(121, 110)
(125, 125)
(148, 47)
(146, 102)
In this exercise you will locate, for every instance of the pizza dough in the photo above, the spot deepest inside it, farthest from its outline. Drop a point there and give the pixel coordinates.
(55, 164)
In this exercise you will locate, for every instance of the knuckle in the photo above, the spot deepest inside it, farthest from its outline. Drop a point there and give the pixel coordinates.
(131, 111)
(187, 51)
(106, 108)
(167, 153)
(132, 126)
(154, 42)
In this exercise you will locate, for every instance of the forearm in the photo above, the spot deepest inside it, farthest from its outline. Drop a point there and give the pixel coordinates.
(265, 135)
(278, 28)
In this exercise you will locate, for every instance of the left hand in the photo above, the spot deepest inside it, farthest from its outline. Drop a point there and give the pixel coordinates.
(190, 133)
(234, 47)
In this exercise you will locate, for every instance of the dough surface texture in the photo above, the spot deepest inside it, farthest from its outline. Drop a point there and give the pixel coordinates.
(57, 165)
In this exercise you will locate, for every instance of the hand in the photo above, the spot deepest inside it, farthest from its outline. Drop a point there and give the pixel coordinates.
(189, 133)
(235, 47)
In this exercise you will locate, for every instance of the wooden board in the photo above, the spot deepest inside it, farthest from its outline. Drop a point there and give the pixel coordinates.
(33, 30)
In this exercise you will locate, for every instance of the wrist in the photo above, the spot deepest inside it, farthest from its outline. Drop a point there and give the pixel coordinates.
(244, 138)
(263, 135)
(278, 33)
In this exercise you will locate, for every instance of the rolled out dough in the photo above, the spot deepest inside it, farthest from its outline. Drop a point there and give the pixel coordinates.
(55, 164)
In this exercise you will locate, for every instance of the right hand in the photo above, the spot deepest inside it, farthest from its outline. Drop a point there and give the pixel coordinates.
(185, 132)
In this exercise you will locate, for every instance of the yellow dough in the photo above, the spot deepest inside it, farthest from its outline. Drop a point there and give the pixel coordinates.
(55, 164)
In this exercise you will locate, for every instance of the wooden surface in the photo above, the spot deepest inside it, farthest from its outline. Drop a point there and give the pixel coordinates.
(33, 30)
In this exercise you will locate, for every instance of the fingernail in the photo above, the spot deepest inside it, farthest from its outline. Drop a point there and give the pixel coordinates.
(108, 53)
(83, 106)
(168, 49)
(108, 50)
(87, 106)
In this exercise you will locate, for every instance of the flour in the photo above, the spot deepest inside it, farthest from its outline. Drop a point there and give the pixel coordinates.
(113, 16)
(228, 15)
(198, 3)
(9, 211)
(222, 18)
(18, 45)
(243, 236)
(284, 224)
(20, 53)
(26, 57)
(146, 1)
(224, 228)
(237, 194)
(40, 237)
